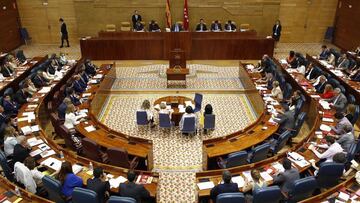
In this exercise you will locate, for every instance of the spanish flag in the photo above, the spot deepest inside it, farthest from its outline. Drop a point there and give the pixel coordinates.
(168, 14)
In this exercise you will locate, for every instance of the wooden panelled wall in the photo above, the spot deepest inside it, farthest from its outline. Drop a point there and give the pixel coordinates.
(303, 20)
(347, 24)
(9, 26)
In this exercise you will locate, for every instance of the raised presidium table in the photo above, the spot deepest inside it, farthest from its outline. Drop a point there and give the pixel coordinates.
(177, 74)
(176, 104)
(157, 46)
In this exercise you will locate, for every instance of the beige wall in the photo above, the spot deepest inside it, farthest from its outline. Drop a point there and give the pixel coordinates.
(303, 20)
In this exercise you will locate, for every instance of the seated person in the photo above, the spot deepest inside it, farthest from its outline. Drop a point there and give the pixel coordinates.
(276, 91)
(71, 120)
(62, 59)
(320, 85)
(295, 98)
(10, 107)
(341, 122)
(355, 75)
(257, 182)
(226, 187)
(73, 96)
(216, 26)
(337, 158)
(189, 112)
(344, 62)
(325, 52)
(85, 78)
(310, 74)
(346, 139)
(264, 65)
(286, 179)
(39, 81)
(62, 107)
(131, 189)
(201, 26)
(24, 176)
(177, 27)
(78, 85)
(208, 110)
(154, 27)
(331, 59)
(230, 26)
(21, 149)
(291, 60)
(350, 111)
(29, 87)
(301, 67)
(357, 50)
(331, 147)
(49, 78)
(139, 27)
(339, 101)
(328, 92)
(99, 184)
(9, 140)
(145, 106)
(6, 70)
(164, 110)
(286, 118)
(68, 180)
(3, 118)
(21, 96)
(90, 68)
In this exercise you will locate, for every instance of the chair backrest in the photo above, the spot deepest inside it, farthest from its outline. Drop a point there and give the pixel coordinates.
(233, 197)
(141, 118)
(351, 152)
(117, 199)
(356, 114)
(288, 91)
(351, 99)
(91, 149)
(5, 167)
(118, 157)
(298, 123)
(9, 91)
(267, 194)
(209, 121)
(20, 56)
(342, 88)
(260, 153)
(110, 28)
(125, 26)
(164, 120)
(198, 100)
(298, 106)
(65, 133)
(244, 26)
(329, 174)
(236, 159)
(302, 189)
(281, 142)
(53, 187)
(81, 195)
(189, 125)
(24, 34)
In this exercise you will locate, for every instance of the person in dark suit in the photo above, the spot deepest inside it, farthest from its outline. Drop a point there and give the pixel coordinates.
(62, 107)
(90, 68)
(321, 85)
(225, 187)
(21, 150)
(99, 184)
(6, 71)
(310, 72)
(177, 27)
(139, 27)
(3, 119)
(84, 76)
(38, 80)
(75, 100)
(286, 118)
(325, 53)
(78, 85)
(276, 31)
(154, 27)
(216, 26)
(201, 26)
(64, 33)
(342, 122)
(10, 107)
(21, 97)
(135, 18)
(230, 26)
(339, 101)
(131, 189)
(286, 179)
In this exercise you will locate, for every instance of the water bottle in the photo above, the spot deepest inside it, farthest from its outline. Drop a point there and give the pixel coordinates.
(17, 191)
(91, 167)
(61, 155)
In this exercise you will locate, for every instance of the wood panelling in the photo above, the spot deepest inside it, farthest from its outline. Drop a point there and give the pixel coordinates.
(303, 20)
(10, 26)
(347, 25)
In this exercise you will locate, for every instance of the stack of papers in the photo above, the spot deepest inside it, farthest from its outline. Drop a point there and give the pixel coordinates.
(47, 153)
(115, 182)
(93, 81)
(36, 152)
(266, 177)
(324, 104)
(26, 130)
(205, 185)
(250, 66)
(327, 119)
(325, 128)
(181, 108)
(90, 128)
(34, 141)
(28, 116)
(86, 94)
(247, 175)
(283, 61)
(44, 90)
(298, 159)
(239, 180)
(260, 88)
(279, 167)
(98, 76)
(77, 168)
(52, 163)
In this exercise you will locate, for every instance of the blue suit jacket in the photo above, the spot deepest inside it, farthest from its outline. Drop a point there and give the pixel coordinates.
(79, 87)
(75, 100)
(10, 108)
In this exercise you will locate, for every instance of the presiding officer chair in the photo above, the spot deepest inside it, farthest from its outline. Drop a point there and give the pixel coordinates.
(81, 195)
(233, 197)
(118, 199)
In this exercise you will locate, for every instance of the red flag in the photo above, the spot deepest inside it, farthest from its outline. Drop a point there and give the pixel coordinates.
(186, 16)
(168, 14)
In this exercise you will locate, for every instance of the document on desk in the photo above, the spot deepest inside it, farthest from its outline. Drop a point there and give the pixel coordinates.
(115, 182)
(26, 130)
(77, 168)
(325, 128)
(35, 128)
(33, 141)
(35, 152)
(98, 76)
(328, 120)
(324, 104)
(47, 153)
(260, 88)
(52, 163)
(265, 176)
(206, 185)
(247, 175)
(44, 90)
(279, 167)
(239, 180)
(90, 128)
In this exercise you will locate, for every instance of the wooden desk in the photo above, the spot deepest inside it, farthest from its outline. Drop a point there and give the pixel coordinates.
(176, 114)
(176, 74)
(157, 46)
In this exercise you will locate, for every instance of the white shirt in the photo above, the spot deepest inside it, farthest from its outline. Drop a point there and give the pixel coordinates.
(166, 111)
(301, 69)
(188, 115)
(37, 175)
(24, 176)
(330, 152)
(9, 145)
(70, 120)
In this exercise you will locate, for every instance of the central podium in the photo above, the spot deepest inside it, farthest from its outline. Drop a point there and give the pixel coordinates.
(177, 67)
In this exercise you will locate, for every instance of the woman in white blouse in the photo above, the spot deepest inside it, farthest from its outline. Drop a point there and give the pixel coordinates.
(9, 140)
(146, 107)
(70, 118)
(276, 91)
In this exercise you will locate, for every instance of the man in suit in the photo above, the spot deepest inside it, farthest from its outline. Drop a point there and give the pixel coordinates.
(325, 53)
(339, 101)
(21, 149)
(177, 27)
(230, 26)
(225, 187)
(131, 189)
(346, 139)
(344, 62)
(75, 100)
(310, 72)
(38, 80)
(154, 27)
(135, 18)
(21, 97)
(276, 31)
(10, 107)
(90, 68)
(341, 123)
(99, 184)
(320, 86)
(6, 70)
(286, 118)
(78, 85)
(62, 107)
(64, 33)
(286, 179)
(3, 119)
(216, 26)
(138, 27)
(201, 26)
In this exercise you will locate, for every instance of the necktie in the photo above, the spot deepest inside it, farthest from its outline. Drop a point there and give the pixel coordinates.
(216, 27)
